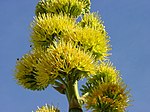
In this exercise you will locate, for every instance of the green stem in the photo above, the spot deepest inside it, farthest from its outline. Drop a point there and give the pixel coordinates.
(61, 79)
(73, 96)
(75, 110)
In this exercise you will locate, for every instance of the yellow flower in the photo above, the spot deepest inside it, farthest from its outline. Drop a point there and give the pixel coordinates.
(72, 8)
(94, 21)
(65, 59)
(108, 73)
(47, 28)
(93, 40)
(39, 68)
(27, 74)
(99, 40)
(47, 108)
(108, 97)
(105, 73)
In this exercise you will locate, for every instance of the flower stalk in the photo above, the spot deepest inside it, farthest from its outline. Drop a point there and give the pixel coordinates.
(73, 97)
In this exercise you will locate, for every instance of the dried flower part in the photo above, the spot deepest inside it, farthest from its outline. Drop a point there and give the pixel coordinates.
(108, 97)
(66, 60)
(28, 76)
(72, 8)
(47, 108)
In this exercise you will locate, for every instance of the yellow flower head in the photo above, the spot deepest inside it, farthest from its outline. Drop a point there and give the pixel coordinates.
(47, 108)
(94, 21)
(47, 28)
(108, 97)
(27, 74)
(93, 40)
(106, 72)
(96, 34)
(66, 59)
(72, 8)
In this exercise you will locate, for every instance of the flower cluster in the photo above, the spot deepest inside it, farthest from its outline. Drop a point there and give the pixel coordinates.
(72, 8)
(105, 72)
(47, 108)
(65, 59)
(108, 97)
(39, 68)
(106, 90)
(94, 21)
(27, 74)
(49, 28)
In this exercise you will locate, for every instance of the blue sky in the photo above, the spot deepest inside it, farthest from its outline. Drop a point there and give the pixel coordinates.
(127, 23)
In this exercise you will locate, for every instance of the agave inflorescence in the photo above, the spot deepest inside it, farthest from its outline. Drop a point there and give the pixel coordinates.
(65, 50)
